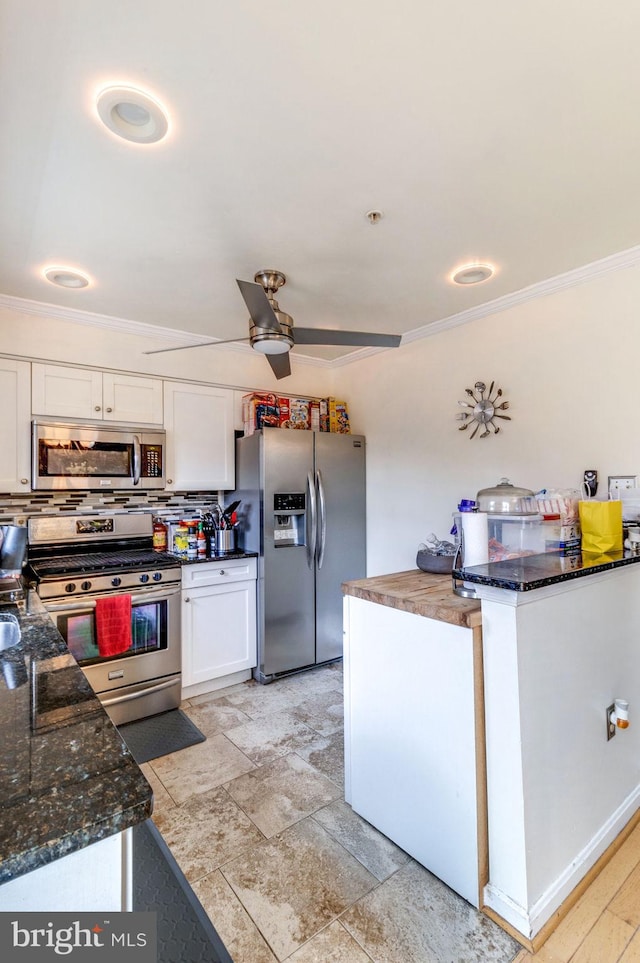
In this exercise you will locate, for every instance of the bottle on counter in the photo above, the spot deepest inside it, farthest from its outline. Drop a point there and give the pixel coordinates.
(192, 539)
(201, 542)
(159, 535)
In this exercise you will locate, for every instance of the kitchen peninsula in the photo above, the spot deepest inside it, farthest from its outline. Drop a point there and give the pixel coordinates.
(509, 719)
(70, 791)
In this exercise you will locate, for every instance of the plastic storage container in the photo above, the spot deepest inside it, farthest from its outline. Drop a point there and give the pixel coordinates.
(513, 536)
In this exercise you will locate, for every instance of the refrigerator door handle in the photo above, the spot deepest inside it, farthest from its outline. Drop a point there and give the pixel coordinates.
(311, 521)
(322, 519)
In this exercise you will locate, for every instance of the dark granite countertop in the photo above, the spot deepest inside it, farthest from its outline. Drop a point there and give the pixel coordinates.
(537, 571)
(67, 778)
(227, 556)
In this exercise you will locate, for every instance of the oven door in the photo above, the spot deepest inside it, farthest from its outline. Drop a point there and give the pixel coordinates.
(151, 666)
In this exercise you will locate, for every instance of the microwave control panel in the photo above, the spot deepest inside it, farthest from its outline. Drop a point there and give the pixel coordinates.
(151, 458)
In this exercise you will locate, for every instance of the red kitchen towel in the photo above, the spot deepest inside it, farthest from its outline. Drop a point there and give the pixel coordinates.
(113, 624)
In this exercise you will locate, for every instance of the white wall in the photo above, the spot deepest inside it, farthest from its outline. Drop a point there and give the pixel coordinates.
(565, 363)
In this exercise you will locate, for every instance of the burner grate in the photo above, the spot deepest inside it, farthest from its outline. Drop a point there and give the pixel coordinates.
(101, 561)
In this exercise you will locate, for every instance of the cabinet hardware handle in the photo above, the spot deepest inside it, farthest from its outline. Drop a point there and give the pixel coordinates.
(24, 481)
(97, 408)
(222, 571)
(109, 409)
(187, 600)
(169, 481)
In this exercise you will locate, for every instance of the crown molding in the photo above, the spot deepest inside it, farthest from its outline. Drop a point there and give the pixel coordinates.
(561, 282)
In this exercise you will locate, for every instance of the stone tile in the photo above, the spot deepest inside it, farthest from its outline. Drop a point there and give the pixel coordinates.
(214, 717)
(268, 738)
(294, 885)
(281, 793)
(380, 856)
(161, 798)
(326, 754)
(200, 767)
(331, 945)
(206, 831)
(233, 924)
(319, 679)
(322, 711)
(259, 701)
(413, 918)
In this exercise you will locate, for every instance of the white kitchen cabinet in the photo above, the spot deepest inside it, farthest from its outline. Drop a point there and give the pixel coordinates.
(15, 426)
(64, 392)
(200, 441)
(218, 623)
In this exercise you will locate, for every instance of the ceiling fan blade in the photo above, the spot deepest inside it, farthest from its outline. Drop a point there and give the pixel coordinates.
(255, 297)
(361, 338)
(200, 344)
(280, 364)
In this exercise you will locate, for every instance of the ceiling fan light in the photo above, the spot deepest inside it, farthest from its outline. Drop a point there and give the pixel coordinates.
(272, 345)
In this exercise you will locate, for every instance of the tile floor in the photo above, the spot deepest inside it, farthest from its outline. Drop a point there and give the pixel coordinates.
(256, 819)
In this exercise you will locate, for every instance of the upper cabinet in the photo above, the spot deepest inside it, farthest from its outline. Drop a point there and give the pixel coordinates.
(61, 392)
(200, 440)
(15, 431)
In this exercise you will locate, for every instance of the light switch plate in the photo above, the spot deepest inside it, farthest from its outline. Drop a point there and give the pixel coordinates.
(617, 482)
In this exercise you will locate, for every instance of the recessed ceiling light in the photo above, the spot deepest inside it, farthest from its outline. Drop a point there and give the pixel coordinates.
(472, 273)
(66, 277)
(132, 114)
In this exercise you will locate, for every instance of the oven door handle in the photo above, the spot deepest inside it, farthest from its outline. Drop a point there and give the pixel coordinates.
(136, 460)
(90, 603)
(141, 692)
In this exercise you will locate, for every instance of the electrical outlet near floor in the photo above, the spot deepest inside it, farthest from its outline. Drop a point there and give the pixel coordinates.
(618, 482)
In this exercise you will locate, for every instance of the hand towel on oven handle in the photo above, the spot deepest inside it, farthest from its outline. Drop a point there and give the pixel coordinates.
(113, 624)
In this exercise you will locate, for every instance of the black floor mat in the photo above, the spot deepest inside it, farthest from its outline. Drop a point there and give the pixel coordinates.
(159, 735)
(185, 932)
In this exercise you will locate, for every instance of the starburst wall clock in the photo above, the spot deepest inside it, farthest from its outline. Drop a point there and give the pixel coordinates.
(482, 409)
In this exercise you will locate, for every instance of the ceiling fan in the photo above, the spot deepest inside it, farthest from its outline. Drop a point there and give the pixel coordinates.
(271, 331)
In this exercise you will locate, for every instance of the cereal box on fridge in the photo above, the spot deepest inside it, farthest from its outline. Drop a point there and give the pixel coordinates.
(339, 417)
(259, 410)
(299, 413)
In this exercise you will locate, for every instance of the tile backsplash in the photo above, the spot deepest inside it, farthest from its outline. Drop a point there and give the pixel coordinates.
(186, 504)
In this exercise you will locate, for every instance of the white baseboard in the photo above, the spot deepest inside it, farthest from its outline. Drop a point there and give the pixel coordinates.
(530, 921)
(212, 685)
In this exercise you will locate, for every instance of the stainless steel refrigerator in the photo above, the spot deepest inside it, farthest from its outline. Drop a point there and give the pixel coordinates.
(303, 512)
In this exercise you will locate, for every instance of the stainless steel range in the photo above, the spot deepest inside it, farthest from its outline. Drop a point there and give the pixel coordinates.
(76, 560)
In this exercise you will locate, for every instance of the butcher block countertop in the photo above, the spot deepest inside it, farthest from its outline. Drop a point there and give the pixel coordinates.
(420, 593)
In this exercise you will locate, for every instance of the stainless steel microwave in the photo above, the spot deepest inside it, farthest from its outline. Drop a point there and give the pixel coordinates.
(66, 456)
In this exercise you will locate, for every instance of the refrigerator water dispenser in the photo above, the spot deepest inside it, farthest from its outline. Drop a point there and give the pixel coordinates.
(289, 519)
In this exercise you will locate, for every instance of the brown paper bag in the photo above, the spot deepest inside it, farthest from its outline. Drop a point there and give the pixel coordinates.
(601, 526)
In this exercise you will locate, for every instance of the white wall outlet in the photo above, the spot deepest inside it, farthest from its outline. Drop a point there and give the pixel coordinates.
(618, 482)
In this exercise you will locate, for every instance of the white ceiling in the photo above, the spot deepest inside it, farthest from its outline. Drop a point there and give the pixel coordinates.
(498, 131)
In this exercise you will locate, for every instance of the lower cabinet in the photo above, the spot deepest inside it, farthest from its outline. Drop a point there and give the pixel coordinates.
(218, 624)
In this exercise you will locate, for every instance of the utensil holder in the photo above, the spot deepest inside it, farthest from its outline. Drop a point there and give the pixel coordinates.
(225, 540)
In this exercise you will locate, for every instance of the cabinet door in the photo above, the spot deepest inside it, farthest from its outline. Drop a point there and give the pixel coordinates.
(15, 427)
(218, 631)
(128, 398)
(66, 392)
(200, 440)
